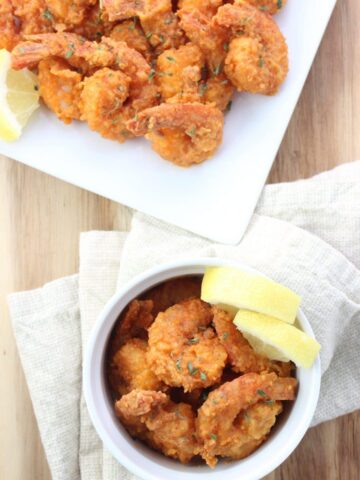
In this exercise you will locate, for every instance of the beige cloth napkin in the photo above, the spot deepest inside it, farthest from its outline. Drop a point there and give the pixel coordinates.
(305, 234)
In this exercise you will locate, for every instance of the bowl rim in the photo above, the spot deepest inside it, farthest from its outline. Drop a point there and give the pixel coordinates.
(91, 384)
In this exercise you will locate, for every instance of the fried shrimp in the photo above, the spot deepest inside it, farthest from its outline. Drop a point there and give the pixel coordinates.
(60, 88)
(163, 424)
(212, 39)
(10, 25)
(217, 90)
(131, 32)
(222, 420)
(129, 369)
(81, 53)
(183, 349)
(269, 6)
(68, 12)
(133, 323)
(102, 103)
(182, 133)
(257, 60)
(242, 357)
(178, 73)
(157, 19)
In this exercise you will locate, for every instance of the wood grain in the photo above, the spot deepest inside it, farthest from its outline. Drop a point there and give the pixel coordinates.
(41, 218)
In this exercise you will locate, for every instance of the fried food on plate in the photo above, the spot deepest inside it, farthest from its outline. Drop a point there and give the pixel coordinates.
(129, 369)
(257, 60)
(206, 7)
(182, 133)
(60, 88)
(242, 357)
(223, 425)
(183, 350)
(68, 12)
(163, 424)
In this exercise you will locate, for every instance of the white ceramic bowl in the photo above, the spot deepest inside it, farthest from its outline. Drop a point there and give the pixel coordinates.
(150, 465)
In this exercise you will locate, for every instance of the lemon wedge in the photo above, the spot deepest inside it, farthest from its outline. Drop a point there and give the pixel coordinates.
(233, 289)
(19, 98)
(277, 340)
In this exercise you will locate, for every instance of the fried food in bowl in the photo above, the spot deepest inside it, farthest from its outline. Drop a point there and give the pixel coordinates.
(171, 392)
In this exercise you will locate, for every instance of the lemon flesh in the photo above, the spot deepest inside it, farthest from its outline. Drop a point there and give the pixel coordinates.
(19, 98)
(234, 289)
(277, 340)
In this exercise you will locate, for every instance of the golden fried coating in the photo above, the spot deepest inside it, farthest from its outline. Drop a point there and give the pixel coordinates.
(182, 133)
(220, 425)
(172, 64)
(10, 25)
(129, 369)
(269, 6)
(131, 32)
(242, 357)
(211, 38)
(183, 349)
(133, 322)
(217, 90)
(102, 103)
(157, 19)
(173, 291)
(257, 61)
(60, 88)
(206, 7)
(68, 12)
(95, 25)
(163, 424)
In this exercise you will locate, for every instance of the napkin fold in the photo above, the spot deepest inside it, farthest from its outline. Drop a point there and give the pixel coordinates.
(304, 234)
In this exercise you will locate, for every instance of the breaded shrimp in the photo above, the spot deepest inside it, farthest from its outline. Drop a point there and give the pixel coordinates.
(131, 32)
(242, 357)
(10, 25)
(182, 133)
(217, 90)
(212, 39)
(173, 73)
(60, 88)
(102, 103)
(222, 420)
(129, 369)
(183, 349)
(269, 6)
(81, 53)
(163, 424)
(95, 25)
(133, 322)
(206, 7)
(68, 12)
(257, 61)
(157, 19)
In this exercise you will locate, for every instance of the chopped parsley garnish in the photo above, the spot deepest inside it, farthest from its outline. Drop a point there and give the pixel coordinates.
(161, 38)
(202, 88)
(47, 14)
(217, 69)
(226, 47)
(269, 402)
(225, 335)
(171, 59)
(263, 8)
(178, 364)
(191, 369)
(261, 62)
(148, 35)
(228, 106)
(247, 416)
(167, 21)
(69, 54)
(213, 436)
(261, 393)
(165, 74)
(136, 117)
(224, 82)
(279, 4)
(204, 395)
(193, 340)
(191, 132)
(151, 74)
(203, 376)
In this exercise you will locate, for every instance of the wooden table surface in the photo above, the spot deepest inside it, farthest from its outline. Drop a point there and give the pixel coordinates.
(41, 218)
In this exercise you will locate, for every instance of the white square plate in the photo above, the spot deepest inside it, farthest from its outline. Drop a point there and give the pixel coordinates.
(215, 199)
